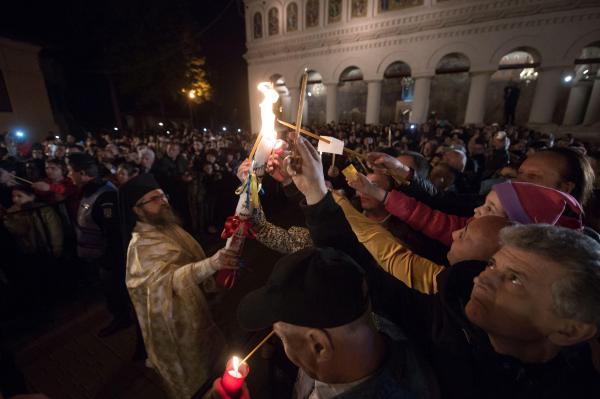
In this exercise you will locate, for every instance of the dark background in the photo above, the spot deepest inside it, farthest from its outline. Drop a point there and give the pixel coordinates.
(139, 46)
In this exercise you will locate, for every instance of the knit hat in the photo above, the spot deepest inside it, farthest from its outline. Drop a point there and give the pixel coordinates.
(528, 203)
(136, 188)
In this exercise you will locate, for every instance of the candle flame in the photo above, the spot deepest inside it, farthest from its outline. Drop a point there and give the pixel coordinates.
(235, 362)
(267, 115)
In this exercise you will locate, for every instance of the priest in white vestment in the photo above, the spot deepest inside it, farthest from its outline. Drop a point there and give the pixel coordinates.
(168, 277)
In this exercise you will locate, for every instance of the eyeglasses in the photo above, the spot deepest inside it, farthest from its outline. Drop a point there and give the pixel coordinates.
(156, 198)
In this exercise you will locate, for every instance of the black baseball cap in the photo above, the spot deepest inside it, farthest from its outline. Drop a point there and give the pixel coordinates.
(314, 287)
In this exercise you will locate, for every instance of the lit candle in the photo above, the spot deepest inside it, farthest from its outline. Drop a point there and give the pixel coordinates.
(260, 155)
(234, 376)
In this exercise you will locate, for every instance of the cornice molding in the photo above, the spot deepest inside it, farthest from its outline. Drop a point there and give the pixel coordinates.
(397, 30)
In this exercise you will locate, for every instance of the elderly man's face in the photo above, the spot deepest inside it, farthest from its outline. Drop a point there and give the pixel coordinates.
(146, 160)
(512, 297)
(173, 151)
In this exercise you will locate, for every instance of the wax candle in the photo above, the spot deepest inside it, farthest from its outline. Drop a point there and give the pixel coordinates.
(234, 376)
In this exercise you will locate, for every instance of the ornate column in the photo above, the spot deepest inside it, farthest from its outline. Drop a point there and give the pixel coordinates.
(546, 94)
(477, 92)
(331, 110)
(420, 106)
(373, 102)
(577, 103)
(592, 113)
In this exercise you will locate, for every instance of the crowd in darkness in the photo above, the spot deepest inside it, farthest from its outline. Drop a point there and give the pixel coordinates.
(64, 229)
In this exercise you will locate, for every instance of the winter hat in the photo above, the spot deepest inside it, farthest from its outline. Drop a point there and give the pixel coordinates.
(528, 203)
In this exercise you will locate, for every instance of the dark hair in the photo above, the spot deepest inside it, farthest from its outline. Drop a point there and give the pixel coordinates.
(58, 162)
(421, 165)
(131, 168)
(579, 171)
(84, 163)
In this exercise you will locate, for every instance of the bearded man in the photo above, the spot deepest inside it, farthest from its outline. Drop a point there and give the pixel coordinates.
(168, 278)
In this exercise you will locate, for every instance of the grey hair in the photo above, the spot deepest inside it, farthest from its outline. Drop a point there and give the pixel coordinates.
(577, 296)
(147, 151)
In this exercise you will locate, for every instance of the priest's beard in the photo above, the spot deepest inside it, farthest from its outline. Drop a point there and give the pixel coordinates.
(165, 217)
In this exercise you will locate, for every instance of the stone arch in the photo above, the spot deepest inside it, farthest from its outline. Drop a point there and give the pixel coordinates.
(574, 50)
(349, 62)
(466, 49)
(402, 56)
(396, 92)
(529, 43)
(453, 63)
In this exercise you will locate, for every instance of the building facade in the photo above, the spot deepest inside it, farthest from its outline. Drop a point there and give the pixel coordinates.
(24, 104)
(469, 61)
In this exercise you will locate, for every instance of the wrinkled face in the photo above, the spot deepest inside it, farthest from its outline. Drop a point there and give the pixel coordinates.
(20, 198)
(296, 345)
(492, 206)
(544, 169)
(146, 160)
(478, 240)
(53, 171)
(369, 203)
(173, 151)
(512, 297)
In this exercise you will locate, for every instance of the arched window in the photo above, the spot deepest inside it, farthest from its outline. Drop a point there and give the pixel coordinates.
(334, 11)
(292, 17)
(312, 13)
(359, 8)
(273, 21)
(388, 5)
(258, 27)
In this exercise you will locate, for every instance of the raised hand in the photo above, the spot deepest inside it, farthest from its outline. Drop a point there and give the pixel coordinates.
(275, 165)
(387, 164)
(310, 181)
(244, 169)
(365, 187)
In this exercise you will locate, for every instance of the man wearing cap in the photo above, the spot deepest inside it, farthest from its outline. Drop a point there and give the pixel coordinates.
(316, 300)
(168, 278)
(99, 242)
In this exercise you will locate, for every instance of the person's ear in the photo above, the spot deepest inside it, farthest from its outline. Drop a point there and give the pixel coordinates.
(138, 212)
(319, 344)
(572, 332)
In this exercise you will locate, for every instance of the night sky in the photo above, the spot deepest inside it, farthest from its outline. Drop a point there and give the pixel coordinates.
(133, 41)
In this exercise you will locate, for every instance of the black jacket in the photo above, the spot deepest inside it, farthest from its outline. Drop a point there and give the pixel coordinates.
(465, 363)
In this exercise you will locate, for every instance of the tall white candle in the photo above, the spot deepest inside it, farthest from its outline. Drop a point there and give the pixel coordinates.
(267, 137)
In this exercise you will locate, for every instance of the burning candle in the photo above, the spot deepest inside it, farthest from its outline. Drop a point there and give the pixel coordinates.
(234, 376)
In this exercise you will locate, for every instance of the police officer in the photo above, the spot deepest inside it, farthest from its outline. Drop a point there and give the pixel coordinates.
(99, 243)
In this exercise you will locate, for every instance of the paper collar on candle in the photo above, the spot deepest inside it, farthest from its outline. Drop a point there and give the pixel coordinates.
(334, 146)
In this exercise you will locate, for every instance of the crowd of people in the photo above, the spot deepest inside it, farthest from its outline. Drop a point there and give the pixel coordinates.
(442, 261)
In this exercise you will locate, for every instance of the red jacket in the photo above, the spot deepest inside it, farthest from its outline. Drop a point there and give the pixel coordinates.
(431, 222)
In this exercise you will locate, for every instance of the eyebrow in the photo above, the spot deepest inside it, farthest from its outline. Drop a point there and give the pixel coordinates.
(518, 273)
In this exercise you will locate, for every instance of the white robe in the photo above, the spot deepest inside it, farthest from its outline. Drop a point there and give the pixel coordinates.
(167, 276)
